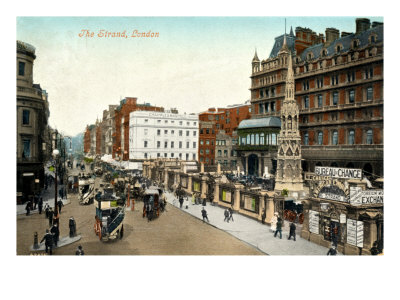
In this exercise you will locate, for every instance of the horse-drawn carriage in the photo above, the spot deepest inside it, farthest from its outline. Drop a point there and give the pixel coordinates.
(110, 213)
(86, 190)
(152, 202)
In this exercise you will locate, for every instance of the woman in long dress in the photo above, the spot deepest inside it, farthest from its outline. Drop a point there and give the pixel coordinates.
(274, 220)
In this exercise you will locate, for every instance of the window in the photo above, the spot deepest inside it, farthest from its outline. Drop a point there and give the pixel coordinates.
(158, 121)
(201, 151)
(172, 154)
(219, 153)
(21, 68)
(306, 138)
(145, 144)
(273, 92)
(369, 137)
(180, 144)
(351, 96)
(207, 160)
(260, 108)
(201, 142)
(145, 131)
(194, 123)
(252, 139)
(187, 144)
(145, 155)
(158, 132)
(187, 156)
(262, 141)
(306, 102)
(350, 139)
(225, 153)
(180, 155)
(207, 151)
(319, 98)
(146, 120)
(165, 144)
(207, 131)
(266, 107)
(273, 139)
(194, 144)
(187, 123)
(194, 133)
(180, 122)
(158, 144)
(369, 73)
(158, 154)
(172, 144)
(335, 98)
(272, 106)
(305, 119)
(320, 138)
(165, 121)
(25, 117)
(207, 142)
(261, 93)
(334, 137)
(257, 139)
(194, 156)
(351, 76)
(369, 93)
(243, 140)
(306, 85)
(180, 132)
(172, 132)
(335, 79)
(26, 152)
(320, 82)
(165, 131)
(165, 155)
(248, 139)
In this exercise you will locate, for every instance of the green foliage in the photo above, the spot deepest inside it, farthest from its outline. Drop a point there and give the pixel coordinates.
(285, 192)
(88, 160)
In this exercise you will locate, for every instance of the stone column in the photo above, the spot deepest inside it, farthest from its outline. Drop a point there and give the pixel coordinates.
(259, 166)
(246, 171)
(189, 188)
(270, 209)
(166, 178)
(236, 204)
(203, 187)
(216, 191)
(202, 167)
(261, 205)
(218, 169)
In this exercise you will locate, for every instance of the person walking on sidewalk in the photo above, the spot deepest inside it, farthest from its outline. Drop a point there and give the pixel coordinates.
(40, 205)
(292, 232)
(332, 250)
(226, 214)
(79, 251)
(60, 205)
(180, 201)
(72, 227)
(230, 214)
(35, 201)
(56, 233)
(278, 228)
(204, 214)
(274, 220)
(28, 208)
(50, 216)
(46, 210)
(263, 216)
(48, 238)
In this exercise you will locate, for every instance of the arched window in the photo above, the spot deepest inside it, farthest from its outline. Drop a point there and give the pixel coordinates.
(248, 139)
(267, 139)
(257, 139)
(350, 140)
(289, 122)
(252, 140)
(334, 137)
(273, 139)
(369, 137)
(262, 141)
(306, 138)
(283, 123)
(320, 137)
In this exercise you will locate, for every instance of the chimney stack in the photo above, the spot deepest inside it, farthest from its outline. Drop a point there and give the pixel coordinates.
(374, 24)
(362, 24)
(331, 35)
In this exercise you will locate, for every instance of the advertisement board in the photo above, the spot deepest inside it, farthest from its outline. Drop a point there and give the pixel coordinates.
(338, 172)
(355, 232)
(365, 197)
(313, 217)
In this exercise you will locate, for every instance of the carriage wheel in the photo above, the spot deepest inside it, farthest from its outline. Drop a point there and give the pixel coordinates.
(301, 218)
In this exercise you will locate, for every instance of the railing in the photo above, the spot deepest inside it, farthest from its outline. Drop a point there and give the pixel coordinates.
(29, 91)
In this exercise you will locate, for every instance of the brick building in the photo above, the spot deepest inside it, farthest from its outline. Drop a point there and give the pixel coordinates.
(86, 140)
(121, 134)
(214, 120)
(339, 90)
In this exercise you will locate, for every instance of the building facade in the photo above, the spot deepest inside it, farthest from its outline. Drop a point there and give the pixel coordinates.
(107, 129)
(32, 117)
(339, 90)
(214, 120)
(163, 135)
(225, 149)
(122, 117)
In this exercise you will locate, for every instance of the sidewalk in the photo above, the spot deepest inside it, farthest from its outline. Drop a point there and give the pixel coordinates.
(48, 197)
(63, 241)
(253, 232)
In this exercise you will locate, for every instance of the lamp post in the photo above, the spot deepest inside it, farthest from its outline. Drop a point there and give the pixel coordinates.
(56, 153)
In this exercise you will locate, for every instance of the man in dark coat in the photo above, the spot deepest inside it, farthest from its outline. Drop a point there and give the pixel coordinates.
(50, 216)
(230, 214)
(35, 201)
(278, 228)
(28, 208)
(180, 201)
(56, 233)
(226, 214)
(332, 251)
(263, 216)
(60, 204)
(374, 250)
(204, 214)
(48, 238)
(79, 251)
(292, 232)
(40, 205)
(72, 227)
(46, 210)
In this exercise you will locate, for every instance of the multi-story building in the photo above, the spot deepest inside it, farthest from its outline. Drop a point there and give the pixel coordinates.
(214, 120)
(225, 149)
(122, 117)
(86, 140)
(339, 90)
(107, 129)
(163, 135)
(32, 116)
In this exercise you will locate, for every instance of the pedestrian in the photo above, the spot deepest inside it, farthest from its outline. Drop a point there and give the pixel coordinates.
(28, 208)
(48, 238)
(292, 232)
(374, 250)
(56, 233)
(180, 201)
(226, 214)
(60, 204)
(335, 232)
(187, 203)
(231, 214)
(46, 210)
(274, 220)
(79, 251)
(59, 193)
(278, 228)
(35, 201)
(204, 214)
(263, 216)
(332, 250)
(50, 216)
(72, 227)
(40, 205)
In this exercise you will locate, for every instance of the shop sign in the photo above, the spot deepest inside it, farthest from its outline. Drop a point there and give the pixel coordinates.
(342, 218)
(313, 219)
(338, 172)
(364, 197)
(332, 192)
(355, 232)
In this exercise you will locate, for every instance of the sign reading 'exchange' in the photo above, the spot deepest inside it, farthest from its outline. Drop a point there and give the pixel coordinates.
(338, 172)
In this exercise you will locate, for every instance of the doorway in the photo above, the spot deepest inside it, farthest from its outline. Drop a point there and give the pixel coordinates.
(253, 165)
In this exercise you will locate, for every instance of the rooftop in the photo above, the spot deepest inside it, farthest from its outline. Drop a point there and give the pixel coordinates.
(260, 122)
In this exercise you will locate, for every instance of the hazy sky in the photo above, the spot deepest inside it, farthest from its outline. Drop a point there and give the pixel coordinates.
(195, 63)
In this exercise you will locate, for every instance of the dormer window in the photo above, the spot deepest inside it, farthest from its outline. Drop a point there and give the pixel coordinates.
(355, 44)
(372, 38)
(339, 48)
(309, 56)
(324, 53)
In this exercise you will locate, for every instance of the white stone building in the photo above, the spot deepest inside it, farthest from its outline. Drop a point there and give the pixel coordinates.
(163, 135)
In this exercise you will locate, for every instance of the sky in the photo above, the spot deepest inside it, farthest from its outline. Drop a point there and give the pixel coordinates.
(195, 62)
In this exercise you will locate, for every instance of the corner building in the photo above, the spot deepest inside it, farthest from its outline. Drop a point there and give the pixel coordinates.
(339, 91)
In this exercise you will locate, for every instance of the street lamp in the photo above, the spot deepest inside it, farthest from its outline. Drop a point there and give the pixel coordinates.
(56, 154)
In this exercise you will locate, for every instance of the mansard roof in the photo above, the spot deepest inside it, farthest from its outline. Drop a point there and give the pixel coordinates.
(290, 39)
(260, 122)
